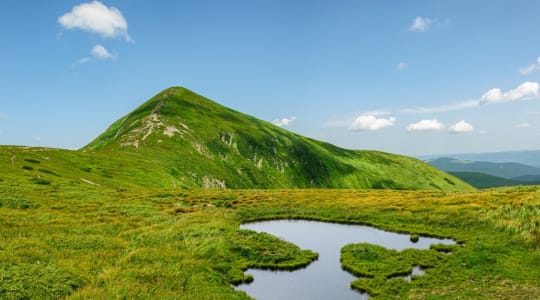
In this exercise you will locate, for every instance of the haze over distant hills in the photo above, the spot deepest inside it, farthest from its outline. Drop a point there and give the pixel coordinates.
(483, 174)
(526, 157)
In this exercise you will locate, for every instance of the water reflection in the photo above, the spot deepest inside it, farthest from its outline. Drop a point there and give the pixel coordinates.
(324, 278)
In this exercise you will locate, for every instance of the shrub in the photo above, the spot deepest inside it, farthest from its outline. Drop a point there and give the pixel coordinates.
(31, 160)
(86, 169)
(47, 171)
(41, 181)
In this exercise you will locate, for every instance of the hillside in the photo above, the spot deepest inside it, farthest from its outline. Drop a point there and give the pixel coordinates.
(507, 170)
(31, 167)
(483, 181)
(203, 144)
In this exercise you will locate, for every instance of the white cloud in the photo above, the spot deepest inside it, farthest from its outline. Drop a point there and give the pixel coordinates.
(420, 24)
(426, 125)
(402, 66)
(524, 91)
(98, 52)
(435, 125)
(371, 123)
(523, 125)
(95, 17)
(101, 52)
(83, 60)
(284, 122)
(531, 68)
(461, 127)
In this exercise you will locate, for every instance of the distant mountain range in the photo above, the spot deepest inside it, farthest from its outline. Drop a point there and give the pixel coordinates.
(483, 174)
(526, 157)
(482, 181)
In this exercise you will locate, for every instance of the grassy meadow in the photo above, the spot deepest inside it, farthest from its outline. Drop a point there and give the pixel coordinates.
(126, 216)
(85, 241)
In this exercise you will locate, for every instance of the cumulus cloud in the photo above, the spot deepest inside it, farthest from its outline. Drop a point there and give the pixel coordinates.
(402, 66)
(426, 125)
(371, 123)
(531, 68)
(460, 127)
(98, 51)
(435, 125)
(421, 24)
(95, 17)
(284, 122)
(524, 91)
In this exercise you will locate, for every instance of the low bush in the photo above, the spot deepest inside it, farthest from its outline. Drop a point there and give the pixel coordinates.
(41, 181)
(31, 160)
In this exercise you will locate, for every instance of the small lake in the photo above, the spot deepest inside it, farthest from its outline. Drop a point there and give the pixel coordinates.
(323, 278)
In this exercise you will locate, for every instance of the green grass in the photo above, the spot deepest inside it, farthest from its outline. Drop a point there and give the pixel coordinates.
(380, 270)
(113, 221)
(85, 241)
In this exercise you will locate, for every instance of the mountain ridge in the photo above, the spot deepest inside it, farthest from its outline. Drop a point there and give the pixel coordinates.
(526, 157)
(508, 170)
(204, 144)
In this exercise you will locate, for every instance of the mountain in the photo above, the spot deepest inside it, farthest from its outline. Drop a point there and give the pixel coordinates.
(526, 157)
(528, 178)
(483, 181)
(200, 143)
(504, 170)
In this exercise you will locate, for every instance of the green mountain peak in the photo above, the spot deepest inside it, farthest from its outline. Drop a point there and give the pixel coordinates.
(204, 144)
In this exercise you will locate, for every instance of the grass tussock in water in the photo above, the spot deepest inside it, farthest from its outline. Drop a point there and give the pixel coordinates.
(380, 270)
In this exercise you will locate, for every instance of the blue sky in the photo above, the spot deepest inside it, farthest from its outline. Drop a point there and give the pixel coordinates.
(410, 77)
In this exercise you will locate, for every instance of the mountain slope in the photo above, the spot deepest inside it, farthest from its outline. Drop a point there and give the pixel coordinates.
(204, 144)
(483, 181)
(505, 170)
